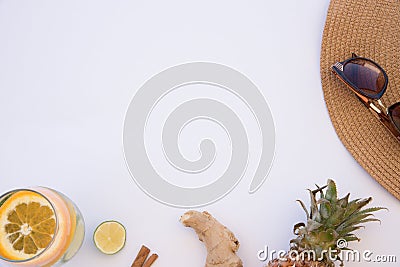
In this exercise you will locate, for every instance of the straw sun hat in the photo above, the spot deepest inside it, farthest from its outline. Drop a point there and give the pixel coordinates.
(371, 29)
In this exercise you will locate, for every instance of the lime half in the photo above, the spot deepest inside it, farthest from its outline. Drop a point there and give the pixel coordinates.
(109, 237)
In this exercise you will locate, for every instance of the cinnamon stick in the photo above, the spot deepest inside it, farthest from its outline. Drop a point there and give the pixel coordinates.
(141, 256)
(150, 260)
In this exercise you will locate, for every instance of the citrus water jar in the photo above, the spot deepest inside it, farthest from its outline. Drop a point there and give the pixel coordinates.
(38, 227)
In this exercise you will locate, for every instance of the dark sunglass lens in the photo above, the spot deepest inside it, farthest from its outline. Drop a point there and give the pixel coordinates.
(366, 76)
(394, 113)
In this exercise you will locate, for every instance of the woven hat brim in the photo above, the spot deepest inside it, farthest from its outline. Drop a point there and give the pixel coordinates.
(370, 29)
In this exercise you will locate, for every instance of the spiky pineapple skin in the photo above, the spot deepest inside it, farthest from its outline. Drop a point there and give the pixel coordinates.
(298, 263)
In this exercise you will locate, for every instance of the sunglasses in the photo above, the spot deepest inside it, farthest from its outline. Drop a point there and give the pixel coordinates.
(369, 82)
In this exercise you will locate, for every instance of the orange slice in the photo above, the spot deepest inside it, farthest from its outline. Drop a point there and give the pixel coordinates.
(27, 225)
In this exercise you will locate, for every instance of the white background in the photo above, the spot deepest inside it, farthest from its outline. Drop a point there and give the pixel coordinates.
(68, 70)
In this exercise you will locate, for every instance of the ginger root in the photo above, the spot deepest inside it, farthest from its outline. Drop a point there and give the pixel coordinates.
(220, 242)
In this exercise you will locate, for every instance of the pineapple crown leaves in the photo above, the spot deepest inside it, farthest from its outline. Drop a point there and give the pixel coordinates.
(331, 218)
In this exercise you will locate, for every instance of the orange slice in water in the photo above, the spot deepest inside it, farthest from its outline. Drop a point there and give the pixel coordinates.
(27, 225)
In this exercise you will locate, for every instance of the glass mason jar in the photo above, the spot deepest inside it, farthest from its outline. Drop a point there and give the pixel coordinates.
(39, 227)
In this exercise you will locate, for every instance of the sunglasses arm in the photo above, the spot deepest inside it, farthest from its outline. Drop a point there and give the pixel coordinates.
(369, 104)
(382, 115)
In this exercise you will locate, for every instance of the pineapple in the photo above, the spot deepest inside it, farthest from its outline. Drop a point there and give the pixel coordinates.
(331, 220)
